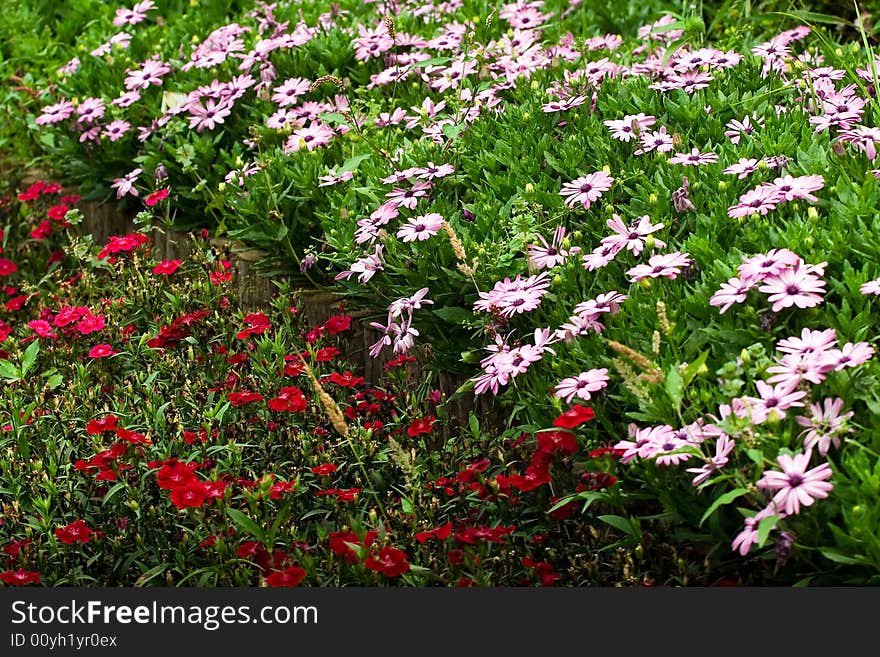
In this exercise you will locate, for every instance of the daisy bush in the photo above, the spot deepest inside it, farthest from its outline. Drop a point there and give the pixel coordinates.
(645, 236)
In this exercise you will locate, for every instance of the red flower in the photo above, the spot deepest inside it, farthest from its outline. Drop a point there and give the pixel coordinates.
(553, 441)
(220, 276)
(75, 532)
(57, 212)
(101, 351)
(90, 324)
(191, 494)
(403, 359)
(325, 469)
(574, 417)
(117, 244)
(292, 368)
(341, 544)
(15, 546)
(69, 314)
(289, 399)
(175, 474)
(421, 425)
(32, 193)
(132, 437)
(390, 561)
(15, 303)
(544, 570)
(534, 478)
(341, 494)
(107, 423)
(326, 354)
(167, 267)
(337, 324)
(7, 267)
(249, 549)
(42, 231)
(290, 576)
(42, 328)
(257, 323)
(441, 533)
(19, 577)
(278, 489)
(244, 397)
(471, 535)
(155, 197)
(347, 380)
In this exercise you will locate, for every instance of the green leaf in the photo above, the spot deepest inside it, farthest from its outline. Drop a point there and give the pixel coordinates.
(474, 424)
(9, 371)
(54, 381)
(727, 498)
(840, 558)
(433, 61)
(756, 455)
(452, 131)
(765, 526)
(589, 496)
(454, 314)
(152, 573)
(691, 371)
(110, 493)
(352, 163)
(623, 524)
(30, 357)
(406, 504)
(333, 117)
(674, 387)
(246, 524)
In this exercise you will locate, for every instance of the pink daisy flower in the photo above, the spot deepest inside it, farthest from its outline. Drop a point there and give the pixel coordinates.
(668, 265)
(773, 400)
(764, 265)
(420, 228)
(658, 141)
(743, 167)
(871, 287)
(825, 425)
(586, 189)
(731, 292)
(582, 385)
(736, 129)
(749, 535)
(632, 238)
(548, 256)
(793, 287)
(55, 113)
(756, 201)
(289, 91)
(630, 126)
(789, 188)
(795, 486)
(310, 138)
(694, 158)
